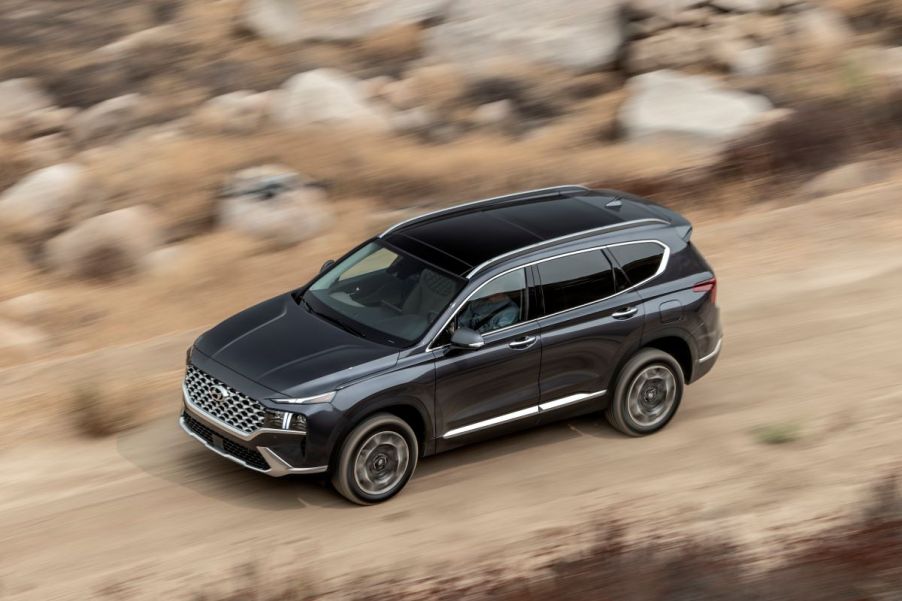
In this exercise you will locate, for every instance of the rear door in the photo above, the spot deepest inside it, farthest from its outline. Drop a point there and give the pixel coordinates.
(590, 319)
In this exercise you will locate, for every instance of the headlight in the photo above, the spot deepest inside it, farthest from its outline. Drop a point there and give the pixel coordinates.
(283, 420)
(310, 400)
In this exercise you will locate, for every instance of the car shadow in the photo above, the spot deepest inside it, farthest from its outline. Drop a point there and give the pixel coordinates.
(162, 450)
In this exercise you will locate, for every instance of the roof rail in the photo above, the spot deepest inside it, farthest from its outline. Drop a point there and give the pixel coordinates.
(538, 193)
(576, 236)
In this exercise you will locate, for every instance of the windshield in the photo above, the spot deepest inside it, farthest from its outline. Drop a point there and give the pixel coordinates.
(378, 290)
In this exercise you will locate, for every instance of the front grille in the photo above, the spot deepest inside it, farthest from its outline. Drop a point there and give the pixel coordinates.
(249, 456)
(237, 410)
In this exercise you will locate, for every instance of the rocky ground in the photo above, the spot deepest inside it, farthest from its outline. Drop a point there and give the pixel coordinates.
(164, 164)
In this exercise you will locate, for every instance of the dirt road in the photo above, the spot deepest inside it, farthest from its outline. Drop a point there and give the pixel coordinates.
(811, 303)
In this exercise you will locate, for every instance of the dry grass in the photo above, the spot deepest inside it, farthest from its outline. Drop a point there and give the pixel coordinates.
(858, 559)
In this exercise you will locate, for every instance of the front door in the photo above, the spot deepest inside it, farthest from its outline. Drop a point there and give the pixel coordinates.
(485, 391)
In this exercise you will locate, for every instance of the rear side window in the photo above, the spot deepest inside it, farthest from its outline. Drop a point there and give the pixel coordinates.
(575, 280)
(639, 261)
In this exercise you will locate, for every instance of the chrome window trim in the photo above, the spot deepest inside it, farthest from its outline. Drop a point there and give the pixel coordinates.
(552, 241)
(480, 201)
(520, 414)
(213, 421)
(711, 355)
(663, 266)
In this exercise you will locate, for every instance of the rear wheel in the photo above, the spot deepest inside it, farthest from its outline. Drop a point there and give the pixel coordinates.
(648, 393)
(376, 460)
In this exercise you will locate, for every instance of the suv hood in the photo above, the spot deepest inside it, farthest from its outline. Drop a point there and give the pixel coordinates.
(284, 347)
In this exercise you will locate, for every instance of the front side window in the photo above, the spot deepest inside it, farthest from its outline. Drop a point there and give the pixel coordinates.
(639, 261)
(378, 291)
(499, 303)
(575, 280)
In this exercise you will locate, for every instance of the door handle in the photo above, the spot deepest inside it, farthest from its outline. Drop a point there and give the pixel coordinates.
(625, 313)
(523, 343)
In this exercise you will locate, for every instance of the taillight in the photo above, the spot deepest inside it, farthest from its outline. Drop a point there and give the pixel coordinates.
(707, 286)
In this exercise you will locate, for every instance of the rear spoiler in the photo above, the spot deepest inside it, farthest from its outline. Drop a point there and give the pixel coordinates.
(680, 224)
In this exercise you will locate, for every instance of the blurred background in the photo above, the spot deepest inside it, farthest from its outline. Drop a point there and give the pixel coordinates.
(166, 163)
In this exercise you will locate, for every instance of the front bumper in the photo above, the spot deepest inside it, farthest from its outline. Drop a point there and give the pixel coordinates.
(241, 448)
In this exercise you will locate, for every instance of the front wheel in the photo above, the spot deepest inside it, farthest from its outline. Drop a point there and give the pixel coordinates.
(376, 460)
(647, 394)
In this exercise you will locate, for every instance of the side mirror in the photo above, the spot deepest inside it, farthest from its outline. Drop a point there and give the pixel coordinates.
(465, 338)
(327, 265)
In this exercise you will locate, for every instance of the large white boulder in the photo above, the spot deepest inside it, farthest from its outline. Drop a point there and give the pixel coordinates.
(43, 200)
(109, 118)
(326, 96)
(582, 35)
(274, 204)
(106, 246)
(669, 102)
(288, 21)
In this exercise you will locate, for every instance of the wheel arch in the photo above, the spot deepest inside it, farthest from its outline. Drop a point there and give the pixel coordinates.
(409, 409)
(677, 347)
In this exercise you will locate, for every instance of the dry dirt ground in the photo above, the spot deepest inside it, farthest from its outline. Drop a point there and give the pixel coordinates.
(810, 301)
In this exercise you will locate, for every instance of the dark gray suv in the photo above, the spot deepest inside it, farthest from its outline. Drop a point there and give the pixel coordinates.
(457, 326)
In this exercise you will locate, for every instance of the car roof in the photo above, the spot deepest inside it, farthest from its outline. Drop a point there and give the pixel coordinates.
(464, 239)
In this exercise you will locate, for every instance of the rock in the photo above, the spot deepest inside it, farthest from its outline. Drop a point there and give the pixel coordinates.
(753, 61)
(166, 261)
(668, 102)
(46, 151)
(289, 21)
(402, 94)
(275, 204)
(375, 87)
(824, 30)
(494, 114)
(673, 48)
(746, 6)
(585, 36)
(20, 342)
(29, 307)
(152, 37)
(19, 97)
(416, 121)
(669, 10)
(240, 112)
(42, 201)
(106, 246)
(110, 118)
(841, 179)
(326, 96)
(394, 44)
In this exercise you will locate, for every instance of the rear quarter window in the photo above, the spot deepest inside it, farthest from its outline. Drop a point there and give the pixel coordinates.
(575, 280)
(639, 261)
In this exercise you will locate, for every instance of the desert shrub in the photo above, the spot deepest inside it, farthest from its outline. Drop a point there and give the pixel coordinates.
(97, 410)
(774, 434)
(859, 559)
(817, 136)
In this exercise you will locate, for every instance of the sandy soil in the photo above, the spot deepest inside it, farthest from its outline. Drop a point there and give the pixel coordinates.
(810, 300)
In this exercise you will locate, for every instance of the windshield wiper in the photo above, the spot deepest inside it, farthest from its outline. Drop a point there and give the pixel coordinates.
(331, 319)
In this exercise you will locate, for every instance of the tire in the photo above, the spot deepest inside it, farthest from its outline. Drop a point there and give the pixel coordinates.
(371, 464)
(647, 394)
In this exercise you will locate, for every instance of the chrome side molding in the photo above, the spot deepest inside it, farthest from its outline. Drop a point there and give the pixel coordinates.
(522, 413)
